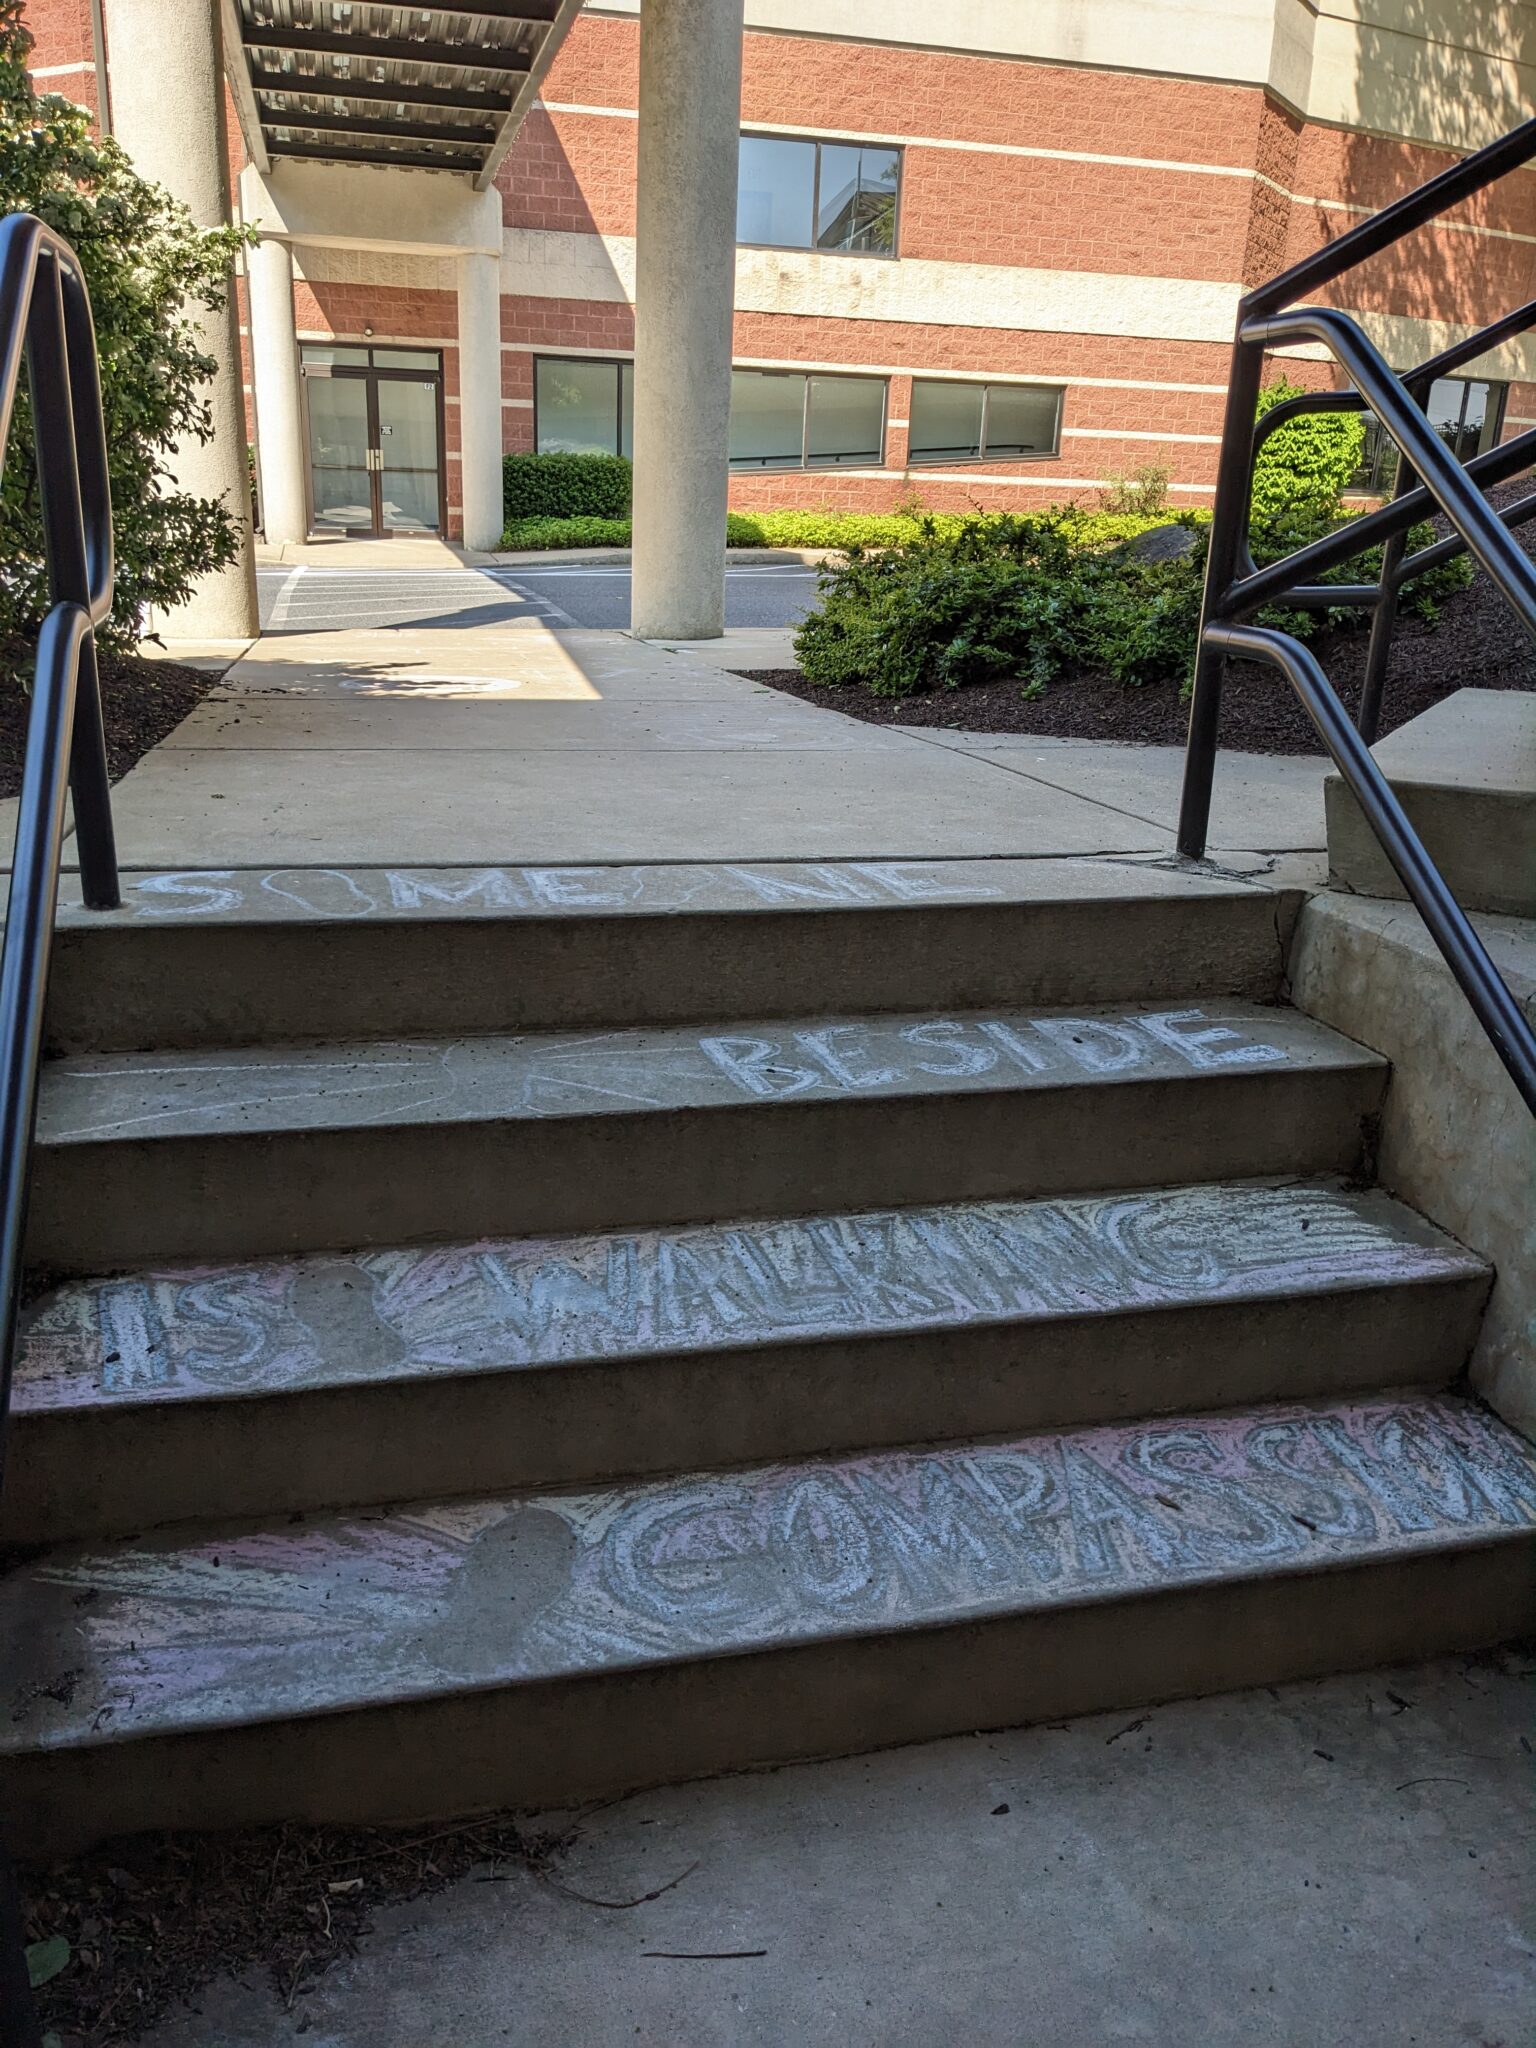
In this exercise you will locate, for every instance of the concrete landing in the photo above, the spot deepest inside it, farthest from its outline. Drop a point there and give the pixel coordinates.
(381, 1142)
(470, 721)
(232, 957)
(423, 1661)
(1296, 1867)
(198, 1391)
(1465, 772)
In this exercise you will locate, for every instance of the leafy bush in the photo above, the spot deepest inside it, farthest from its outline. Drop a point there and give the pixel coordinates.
(1000, 596)
(1144, 495)
(1304, 466)
(565, 487)
(828, 529)
(154, 276)
(566, 533)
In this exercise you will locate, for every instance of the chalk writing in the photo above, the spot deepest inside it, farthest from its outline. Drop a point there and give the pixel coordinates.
(382, 1314)
(481, 1593)
(339, 893)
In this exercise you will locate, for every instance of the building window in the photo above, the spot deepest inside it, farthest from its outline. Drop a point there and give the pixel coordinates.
(1466, 412)
(817, 195)
(970, 422)
(782, 419)
(582, 407)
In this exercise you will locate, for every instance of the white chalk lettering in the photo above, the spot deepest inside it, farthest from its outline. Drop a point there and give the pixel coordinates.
(1166, 1026)
(820, 1046)
(832, 885)
(190, 895)
(754, 1064)
(1017, 1047)
(912, 882)
(411, 889)
(569, 885)
(1097, 1048)
(323, 892)
(946, 1036)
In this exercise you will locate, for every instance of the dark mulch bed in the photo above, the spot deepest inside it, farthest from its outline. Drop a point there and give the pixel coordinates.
(142, 1926)
(1477, 643)
(142, 702)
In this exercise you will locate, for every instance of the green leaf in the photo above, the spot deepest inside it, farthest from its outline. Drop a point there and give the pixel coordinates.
(45, 1959)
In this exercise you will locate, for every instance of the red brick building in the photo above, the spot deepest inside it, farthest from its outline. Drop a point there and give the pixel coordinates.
(986, 255)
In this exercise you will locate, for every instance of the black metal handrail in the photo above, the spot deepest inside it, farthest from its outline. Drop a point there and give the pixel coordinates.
(46, 324)
(1429, 478)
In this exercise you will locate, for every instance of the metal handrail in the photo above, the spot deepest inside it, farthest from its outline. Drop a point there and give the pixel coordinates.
(46, 325)
(1429, 478)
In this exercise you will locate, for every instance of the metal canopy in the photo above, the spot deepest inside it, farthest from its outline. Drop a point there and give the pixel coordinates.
(356, 81)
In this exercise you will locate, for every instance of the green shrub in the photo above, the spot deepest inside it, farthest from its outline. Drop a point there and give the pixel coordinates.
(565, 487)
(1143, 495)
(154, 275)
(566, 533)
(1305, 465)
(1000, 596)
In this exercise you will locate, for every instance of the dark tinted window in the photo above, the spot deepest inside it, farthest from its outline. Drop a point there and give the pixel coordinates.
(1464, 411)
(785, 420)
(817, 195)
(856, 199)
(582, 407)
(965, 422)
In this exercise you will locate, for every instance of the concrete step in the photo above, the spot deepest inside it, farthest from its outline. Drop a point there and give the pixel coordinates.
(541, 1649)
(236, 1153)
(245, 1390)
(1465, 772)
(235, 958)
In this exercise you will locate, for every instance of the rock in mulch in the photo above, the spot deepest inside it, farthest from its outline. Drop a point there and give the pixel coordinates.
(1477, 643)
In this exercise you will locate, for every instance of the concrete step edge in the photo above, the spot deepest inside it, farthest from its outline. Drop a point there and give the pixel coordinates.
(344, 1638)
(173, 1394)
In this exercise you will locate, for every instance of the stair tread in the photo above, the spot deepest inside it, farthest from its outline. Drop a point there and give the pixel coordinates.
(104, 1098)
(187, 1632)
(201, 1331)
(394, 895)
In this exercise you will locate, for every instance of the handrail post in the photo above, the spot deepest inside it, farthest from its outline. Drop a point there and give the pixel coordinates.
(69, 581)
(1228, 545)
(1384, 617)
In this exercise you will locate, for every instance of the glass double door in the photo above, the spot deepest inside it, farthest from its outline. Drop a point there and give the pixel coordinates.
(375, 442)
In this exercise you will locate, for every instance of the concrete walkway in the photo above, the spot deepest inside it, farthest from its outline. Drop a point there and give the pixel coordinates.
(472, 725)
(1291, 1868)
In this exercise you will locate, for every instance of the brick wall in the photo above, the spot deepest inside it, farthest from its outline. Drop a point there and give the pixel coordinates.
(1227, 186)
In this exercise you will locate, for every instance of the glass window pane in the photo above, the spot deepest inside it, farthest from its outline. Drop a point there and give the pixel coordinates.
(313, 352)
(338, 421)
(578, 407)
(946, 422)
(847, 417)
(1020, 420)
(626, 407)
(408, 424)
(410, 499)
(767, 418)
(1476, 425)
(342, 498)
(1447, 395)
(405, 358)
(775, 183)
(856, 209)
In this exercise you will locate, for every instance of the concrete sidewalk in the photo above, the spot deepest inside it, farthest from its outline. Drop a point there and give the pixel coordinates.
(519, 741)
(1311, 1865)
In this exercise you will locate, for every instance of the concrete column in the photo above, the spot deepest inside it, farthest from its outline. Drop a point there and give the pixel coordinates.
(685, 275)
(280, 451)
(480, 397)
(167, 90)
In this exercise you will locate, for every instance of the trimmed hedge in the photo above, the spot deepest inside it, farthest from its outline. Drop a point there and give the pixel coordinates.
(549, 487)
(827, 529)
